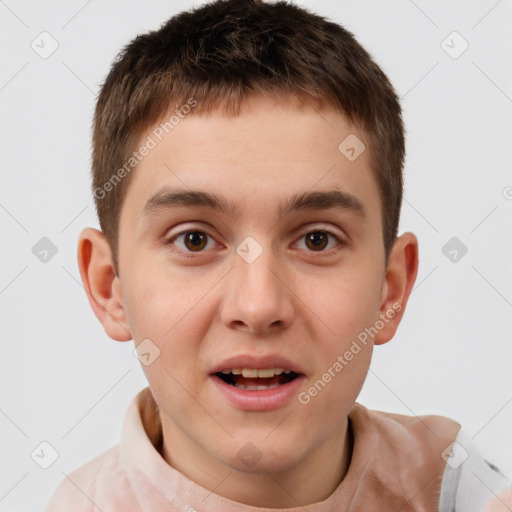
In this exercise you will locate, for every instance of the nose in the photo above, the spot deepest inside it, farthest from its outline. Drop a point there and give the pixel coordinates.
(258, 298)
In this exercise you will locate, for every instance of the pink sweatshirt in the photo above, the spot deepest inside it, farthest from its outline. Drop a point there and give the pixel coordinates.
(398, 464)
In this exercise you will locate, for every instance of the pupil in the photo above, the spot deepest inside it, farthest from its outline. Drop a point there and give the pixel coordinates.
(195, 240)
(317, 239)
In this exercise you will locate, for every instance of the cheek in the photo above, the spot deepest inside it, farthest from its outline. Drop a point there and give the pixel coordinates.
(348, 306)
(346, 303)
(334, 388)
(158, 305)
(175, 318)
(331, 395)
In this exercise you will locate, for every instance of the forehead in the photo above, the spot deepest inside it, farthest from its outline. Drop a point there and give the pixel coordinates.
(269, 151)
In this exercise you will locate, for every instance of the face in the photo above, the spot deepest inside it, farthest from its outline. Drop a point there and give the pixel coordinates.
(283, 272)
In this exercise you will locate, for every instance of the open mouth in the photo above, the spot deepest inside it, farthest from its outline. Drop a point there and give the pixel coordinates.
(251, 379)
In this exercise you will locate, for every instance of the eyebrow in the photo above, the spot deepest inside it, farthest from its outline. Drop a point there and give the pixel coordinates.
(320, 200)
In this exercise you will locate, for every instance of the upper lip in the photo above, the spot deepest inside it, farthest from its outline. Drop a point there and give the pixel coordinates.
(262, 362)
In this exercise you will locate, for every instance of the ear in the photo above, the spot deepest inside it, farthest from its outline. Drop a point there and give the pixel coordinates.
(102, 286)
(400, 276)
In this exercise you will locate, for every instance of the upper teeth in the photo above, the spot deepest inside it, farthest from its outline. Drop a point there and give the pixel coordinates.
(253, 372)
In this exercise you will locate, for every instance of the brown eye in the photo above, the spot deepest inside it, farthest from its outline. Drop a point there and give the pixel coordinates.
(191, 241)
(195, 240)
(317, 240)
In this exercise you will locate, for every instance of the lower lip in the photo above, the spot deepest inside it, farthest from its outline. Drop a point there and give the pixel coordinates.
(261, 399)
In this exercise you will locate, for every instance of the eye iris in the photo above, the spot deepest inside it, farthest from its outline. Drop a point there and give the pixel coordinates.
(318, 239)
(195, 240)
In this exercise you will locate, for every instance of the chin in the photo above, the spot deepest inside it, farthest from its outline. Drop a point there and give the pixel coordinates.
(262, 456)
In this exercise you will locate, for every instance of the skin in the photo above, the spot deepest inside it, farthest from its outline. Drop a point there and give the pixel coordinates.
(501, 503)
(306, 304)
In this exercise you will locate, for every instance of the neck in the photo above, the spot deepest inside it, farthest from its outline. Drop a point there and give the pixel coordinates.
(311, 480)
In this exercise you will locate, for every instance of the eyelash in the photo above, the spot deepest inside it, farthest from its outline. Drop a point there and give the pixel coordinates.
(193, 254)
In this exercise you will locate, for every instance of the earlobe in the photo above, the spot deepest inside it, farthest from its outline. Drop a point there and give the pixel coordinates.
(400, 277)
(101, 284)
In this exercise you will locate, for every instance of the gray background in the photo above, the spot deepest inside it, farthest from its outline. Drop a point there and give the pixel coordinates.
(65, 382)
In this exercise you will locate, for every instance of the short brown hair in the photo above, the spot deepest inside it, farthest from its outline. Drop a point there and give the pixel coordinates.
(218, 54)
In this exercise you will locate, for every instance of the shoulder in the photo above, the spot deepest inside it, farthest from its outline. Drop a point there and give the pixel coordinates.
(420, 431)
(77, 490)
(471, 483)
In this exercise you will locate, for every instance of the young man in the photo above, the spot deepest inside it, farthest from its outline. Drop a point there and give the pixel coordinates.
(247, 171)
